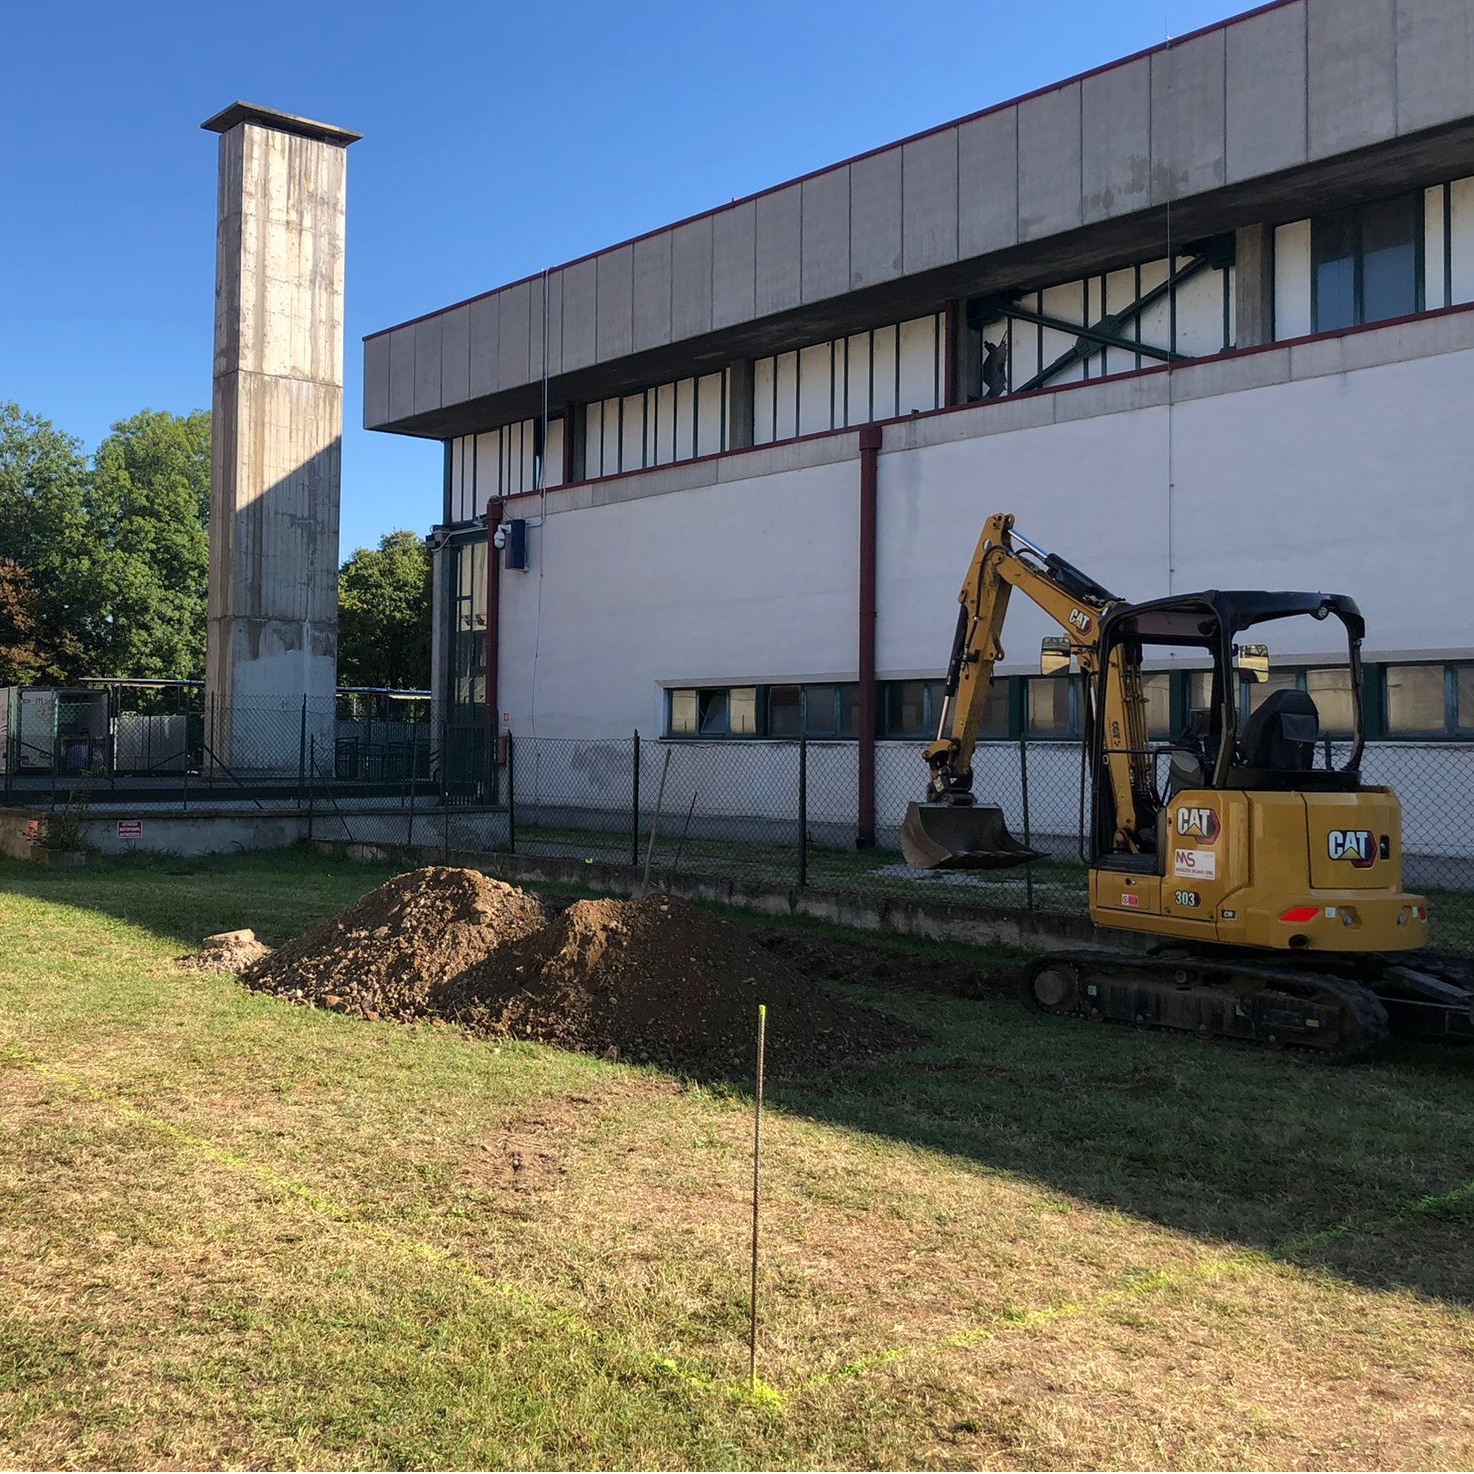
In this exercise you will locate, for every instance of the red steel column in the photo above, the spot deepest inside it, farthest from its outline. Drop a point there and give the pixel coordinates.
(870, 437)
(493, 615)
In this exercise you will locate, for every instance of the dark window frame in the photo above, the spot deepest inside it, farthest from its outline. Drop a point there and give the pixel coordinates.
(1354, 215)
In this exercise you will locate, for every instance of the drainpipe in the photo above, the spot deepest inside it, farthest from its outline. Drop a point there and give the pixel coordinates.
(493, 616)
(870, 436)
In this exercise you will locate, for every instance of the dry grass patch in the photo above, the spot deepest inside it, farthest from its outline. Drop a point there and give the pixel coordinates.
(253, 1234)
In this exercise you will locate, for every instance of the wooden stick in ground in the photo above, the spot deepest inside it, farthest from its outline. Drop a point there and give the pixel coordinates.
(757, 1143)
(654, 820)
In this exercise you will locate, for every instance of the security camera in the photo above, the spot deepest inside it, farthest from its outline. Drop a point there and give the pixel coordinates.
(499, 538)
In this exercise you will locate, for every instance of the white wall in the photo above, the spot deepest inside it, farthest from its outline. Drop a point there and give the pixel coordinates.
(725, 583)
(1355, 481)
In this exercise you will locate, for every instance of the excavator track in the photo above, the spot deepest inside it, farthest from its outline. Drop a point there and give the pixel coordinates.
(1336, 1018)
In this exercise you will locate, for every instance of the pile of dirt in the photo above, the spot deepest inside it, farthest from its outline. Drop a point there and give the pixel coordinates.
(660, 982)
(399, 951)
(226, 951)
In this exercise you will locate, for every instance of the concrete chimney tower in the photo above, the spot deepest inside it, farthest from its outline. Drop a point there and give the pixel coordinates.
(276, 433)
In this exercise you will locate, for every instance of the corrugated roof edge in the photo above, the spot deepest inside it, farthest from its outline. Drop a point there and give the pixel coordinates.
(996, 107)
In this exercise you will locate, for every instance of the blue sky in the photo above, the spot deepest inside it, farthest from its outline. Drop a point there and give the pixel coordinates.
(498, 139)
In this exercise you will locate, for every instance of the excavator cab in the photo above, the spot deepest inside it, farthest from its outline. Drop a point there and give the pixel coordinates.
(1279, 747)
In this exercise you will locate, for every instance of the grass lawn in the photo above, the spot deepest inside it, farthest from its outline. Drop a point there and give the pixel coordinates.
(238, 1232)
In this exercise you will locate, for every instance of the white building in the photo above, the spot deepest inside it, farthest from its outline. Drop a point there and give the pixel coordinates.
(1232, 284)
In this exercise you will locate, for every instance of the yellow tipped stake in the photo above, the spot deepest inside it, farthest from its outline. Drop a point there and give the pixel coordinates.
(757, 1142)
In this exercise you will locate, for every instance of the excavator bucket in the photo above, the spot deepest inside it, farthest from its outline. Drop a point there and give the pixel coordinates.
(960, 837)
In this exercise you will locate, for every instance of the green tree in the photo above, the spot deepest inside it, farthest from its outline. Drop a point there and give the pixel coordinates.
(20, 659)
(148, 505)
(384, 614)
(44, 533)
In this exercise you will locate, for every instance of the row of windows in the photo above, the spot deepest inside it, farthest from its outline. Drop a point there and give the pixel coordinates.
(1193, 316)
(1346, 268)
(669, 422)
(1399, 701)
(502, 462)
(889, 371)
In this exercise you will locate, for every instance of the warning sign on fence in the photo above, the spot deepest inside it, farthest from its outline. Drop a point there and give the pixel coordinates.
(130, 828)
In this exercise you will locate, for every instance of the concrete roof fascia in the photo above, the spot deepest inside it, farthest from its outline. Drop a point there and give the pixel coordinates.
(265, 117)
(997, 107)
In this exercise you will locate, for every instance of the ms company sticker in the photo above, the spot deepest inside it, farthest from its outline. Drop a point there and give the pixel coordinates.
(1195, 864)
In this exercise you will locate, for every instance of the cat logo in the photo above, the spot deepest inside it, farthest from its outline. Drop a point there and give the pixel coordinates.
(1357, 845)
(1080, 620)
(1197, 824)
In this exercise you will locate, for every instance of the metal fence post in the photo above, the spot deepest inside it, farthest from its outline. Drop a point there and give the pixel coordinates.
(511, 801)
(635, 805)
(409, 836)
(301, 749)
(1023, 773)
(803, 811)
(10, 749)
(311, 781)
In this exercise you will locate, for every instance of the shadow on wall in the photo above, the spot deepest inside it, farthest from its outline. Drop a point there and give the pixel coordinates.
(273, 621)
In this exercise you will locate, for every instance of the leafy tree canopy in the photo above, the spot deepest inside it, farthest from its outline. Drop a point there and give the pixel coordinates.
(384, 614)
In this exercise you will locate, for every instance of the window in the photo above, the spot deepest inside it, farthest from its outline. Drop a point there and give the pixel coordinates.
(904, 709)
(1366, 263)
(1050, 704)
(785, 711)
(1464, 697)
(669, 422)
(717, 711)
(1256, 693)
(1157, 688)
(849, 381)
(1330, 689)
(1415, 698)
(683, 713)
(468, 638)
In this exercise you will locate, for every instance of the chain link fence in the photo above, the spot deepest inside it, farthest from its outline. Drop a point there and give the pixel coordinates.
(768, 813)
(787, 814)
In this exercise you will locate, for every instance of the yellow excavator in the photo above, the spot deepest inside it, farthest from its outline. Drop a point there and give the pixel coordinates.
(1261, 884)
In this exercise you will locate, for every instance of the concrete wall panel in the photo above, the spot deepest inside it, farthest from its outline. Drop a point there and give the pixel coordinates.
(401, 373)
(1188, 118)
(1435, 62)
(580, 301)
(733, 264)
(1266, 94)
(614, 318)
(555, 327)
(826, 235)
(987, 183)
(428, 347)
(1352, 74)
(1049, 163)
(690, 265)
(651, 266)
(779, 249)
(514, 333)
(376, 381)
(1115, 141)
(929, 201)
(485, 346)
(875, 219)
(455, 356)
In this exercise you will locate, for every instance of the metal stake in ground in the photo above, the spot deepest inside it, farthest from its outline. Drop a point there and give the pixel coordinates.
(757, 1144)
(654, 820)
(670, 874)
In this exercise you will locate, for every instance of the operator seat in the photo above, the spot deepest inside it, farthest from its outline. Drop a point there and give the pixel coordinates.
(1281, 735)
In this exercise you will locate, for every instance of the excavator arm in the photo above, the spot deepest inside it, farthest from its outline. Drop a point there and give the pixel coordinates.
(950, 830)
